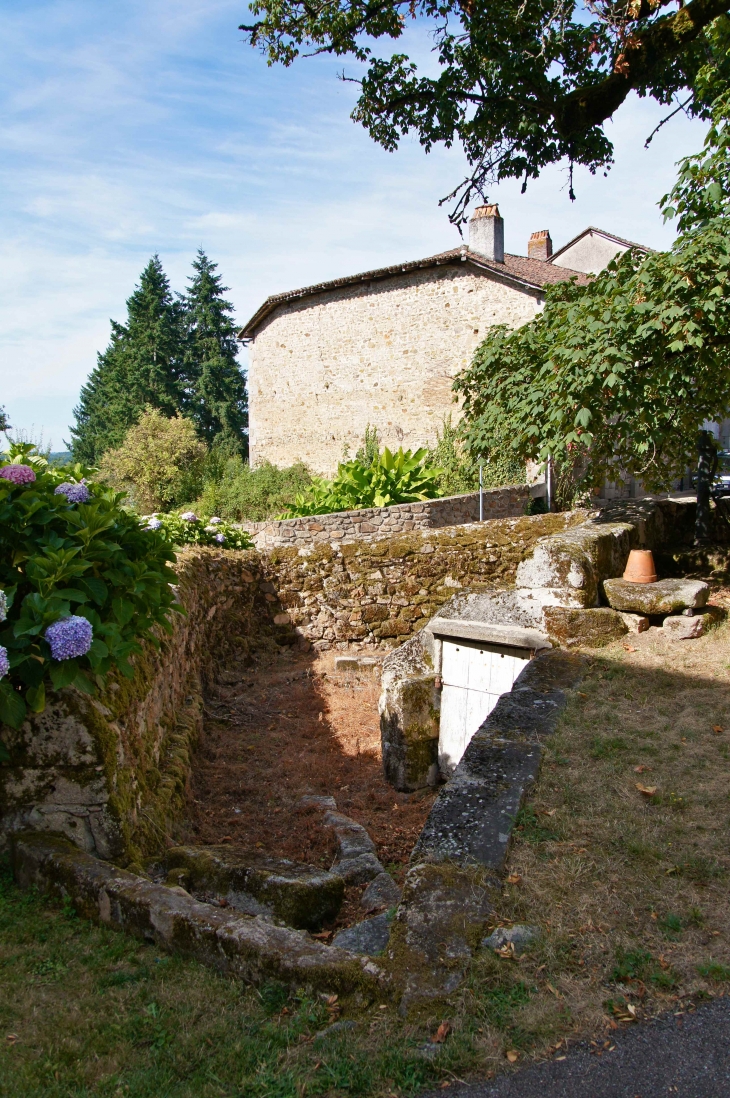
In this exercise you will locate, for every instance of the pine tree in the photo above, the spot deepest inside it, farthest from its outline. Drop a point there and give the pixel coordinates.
(141, 367)
(215, 389)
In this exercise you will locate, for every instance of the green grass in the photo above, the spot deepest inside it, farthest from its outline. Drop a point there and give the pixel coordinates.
(87, 1011)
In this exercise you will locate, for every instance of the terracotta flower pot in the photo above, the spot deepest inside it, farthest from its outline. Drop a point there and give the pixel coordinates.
(640, 567)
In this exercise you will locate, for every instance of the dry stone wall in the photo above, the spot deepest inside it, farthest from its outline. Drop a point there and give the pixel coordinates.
(372, 523)
(322, 368)
(380, 592)
(110, 772)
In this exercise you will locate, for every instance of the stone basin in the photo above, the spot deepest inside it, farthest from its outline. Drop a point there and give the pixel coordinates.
(668, 596)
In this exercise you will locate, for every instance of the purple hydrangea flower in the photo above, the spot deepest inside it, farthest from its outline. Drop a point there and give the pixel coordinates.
(17, 474)
(215, 521)
(189, 516)
(220, 538)
(154, 523)
(4, 662)
(3, 606)
(69, 637)
(74, 493)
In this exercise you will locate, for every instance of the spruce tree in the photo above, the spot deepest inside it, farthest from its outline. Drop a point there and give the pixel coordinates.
(215, 389)
(141, 367)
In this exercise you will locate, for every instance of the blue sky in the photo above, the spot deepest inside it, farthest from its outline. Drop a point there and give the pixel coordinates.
(149, 126)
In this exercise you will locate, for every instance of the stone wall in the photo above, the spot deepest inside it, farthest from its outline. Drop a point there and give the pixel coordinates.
(372, 523)
(380, 592)
(322, 368)
(110, 772)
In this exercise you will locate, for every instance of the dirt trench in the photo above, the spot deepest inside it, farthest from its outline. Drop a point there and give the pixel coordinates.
(284, 727)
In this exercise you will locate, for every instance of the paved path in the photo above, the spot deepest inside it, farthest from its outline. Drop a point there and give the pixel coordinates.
(686, 1056)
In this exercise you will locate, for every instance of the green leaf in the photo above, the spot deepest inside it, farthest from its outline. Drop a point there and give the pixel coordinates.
(4, 753)
(12, 706)
(64, 673)
(96, 588)
(36, 698)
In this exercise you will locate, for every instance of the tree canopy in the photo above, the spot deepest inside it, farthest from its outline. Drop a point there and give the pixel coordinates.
(520, 83)
(175, 354)
(215, 389)
(141, 367)
(621, 373)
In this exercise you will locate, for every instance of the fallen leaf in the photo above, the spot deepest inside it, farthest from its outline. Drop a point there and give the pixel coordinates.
(630, 648)
(717, 728)
(647, 790)
(554, 990)
(323, 935)
(641, 769)
(11, 1038)
(441, 1034)
(332, 999)
(514, 879)
(512, 1055)
(559, 1057)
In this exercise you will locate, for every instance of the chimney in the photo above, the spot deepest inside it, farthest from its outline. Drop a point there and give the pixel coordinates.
(486, 233)
(540, 246)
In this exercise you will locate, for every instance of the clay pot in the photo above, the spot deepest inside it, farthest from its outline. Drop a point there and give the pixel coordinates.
(640, 567)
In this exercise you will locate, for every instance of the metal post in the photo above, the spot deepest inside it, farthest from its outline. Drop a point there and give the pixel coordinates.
(481, 493)
(549, 483)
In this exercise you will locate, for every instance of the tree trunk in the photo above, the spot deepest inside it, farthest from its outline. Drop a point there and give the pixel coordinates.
(706, 466)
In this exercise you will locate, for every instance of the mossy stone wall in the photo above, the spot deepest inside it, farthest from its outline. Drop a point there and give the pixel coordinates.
(382, 592)
(110, 772)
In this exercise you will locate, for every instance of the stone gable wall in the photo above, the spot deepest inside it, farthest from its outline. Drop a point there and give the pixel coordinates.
(384, 353)
(375, 523)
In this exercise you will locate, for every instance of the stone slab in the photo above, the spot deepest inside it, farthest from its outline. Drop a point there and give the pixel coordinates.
(593, 628)
(635, 623)
(302, 896)
(248, 948)
(517, 936)
(490, 632)
(668, 596)
(680, 627)
(369, 938)
(381, 892)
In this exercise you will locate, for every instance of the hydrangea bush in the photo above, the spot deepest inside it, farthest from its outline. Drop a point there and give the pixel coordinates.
(187, 529)
(82, 582)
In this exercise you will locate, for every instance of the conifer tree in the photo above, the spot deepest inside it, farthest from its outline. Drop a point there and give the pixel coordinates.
(215, 389)
(140, 368)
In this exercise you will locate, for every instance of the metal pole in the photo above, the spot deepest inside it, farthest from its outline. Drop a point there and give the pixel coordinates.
(481, 493)
(549, 483)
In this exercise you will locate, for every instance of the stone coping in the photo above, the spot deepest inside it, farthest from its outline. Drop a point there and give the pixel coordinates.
(249, 948)
(514, 636)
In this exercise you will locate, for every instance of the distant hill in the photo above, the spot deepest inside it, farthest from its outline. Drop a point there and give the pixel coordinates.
(60, 457)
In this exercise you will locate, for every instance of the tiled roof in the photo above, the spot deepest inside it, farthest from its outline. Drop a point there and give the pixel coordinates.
(518, 270)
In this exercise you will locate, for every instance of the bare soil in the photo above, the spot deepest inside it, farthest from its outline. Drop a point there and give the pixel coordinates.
(287, 727)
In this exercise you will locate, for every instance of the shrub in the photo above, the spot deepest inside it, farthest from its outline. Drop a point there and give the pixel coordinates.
(461, 467)
(242, 492)
(83, 583)
(160, 462)
(404, 477)
(185, 528)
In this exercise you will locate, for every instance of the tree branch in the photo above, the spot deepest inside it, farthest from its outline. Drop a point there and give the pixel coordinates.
(643, 52)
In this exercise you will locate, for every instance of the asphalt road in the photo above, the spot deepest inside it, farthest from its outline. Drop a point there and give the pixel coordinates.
(687, 1056)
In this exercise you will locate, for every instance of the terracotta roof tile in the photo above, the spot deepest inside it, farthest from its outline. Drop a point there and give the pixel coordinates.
(533, 274)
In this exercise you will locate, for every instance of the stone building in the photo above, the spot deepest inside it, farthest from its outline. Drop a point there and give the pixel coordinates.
(383, 347)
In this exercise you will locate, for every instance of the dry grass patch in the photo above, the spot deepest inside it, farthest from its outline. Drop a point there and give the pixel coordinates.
(621, 853)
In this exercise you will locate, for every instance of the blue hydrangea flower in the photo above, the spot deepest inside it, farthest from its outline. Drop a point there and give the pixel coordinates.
(220, 538)
(74, 493)
(4, 662)
(3, 606)
(215, 521)
(154, 523)
(189, 516)
(69, 637)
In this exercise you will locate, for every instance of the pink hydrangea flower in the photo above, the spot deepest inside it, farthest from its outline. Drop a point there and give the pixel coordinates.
(4, 662)
(17, 474)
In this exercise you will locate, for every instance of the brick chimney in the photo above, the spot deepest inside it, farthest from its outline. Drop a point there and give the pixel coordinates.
(540, 246)
(486, 233)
